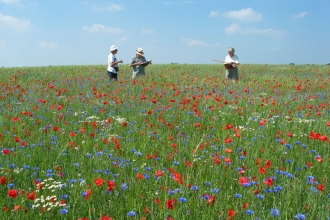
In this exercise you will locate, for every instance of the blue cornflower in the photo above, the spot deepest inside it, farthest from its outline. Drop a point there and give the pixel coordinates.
(65, 196)
(313, 189)
(131, 213)
(146, 176)
(178, 190)
(170, 192)
(268, 190)
(124, 186)
(214, 190)
(249, 212)
(64, 211)
(277, 188)
(238, 195)
(194, 188)
(289, 175)
(260, 196)
(288, 146)
(300, 216)
(182, 200)
(274, 212)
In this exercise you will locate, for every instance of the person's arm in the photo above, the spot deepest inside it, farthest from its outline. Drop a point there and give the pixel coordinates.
(135, 63)
(115, 63)
(147, 62)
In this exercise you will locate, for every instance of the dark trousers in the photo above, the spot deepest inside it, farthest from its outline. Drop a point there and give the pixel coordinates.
(112, 76)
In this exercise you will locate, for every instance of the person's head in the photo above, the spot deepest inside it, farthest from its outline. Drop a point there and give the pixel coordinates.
(139, 52)
(113, 49)
(231, 51)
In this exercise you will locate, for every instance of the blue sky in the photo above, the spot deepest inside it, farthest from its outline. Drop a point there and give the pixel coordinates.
(75, 32)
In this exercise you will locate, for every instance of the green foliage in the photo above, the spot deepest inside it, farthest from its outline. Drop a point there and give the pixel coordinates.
(182, 132)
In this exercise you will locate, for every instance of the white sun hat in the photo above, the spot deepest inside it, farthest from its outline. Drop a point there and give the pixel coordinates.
(113, 47)
(140, 51)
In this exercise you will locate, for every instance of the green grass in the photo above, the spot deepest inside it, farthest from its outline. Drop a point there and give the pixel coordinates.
(66, 126)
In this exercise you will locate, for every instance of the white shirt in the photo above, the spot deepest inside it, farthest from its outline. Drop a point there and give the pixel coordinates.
(112, 58)
(230, 59)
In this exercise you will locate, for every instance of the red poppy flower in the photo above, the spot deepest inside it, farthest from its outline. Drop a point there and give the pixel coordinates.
(32, 196)
(268, 181)
(228, 140)
(111, 185)
(6, 151)
(262, 170)
(98, 181)
(103, 217)
(231, 212)
(267, 164)
(319, 159)
(12, 193)
(171, 203)
(3, 180)
(320, 187)
(88, 193)
(245, 205)
(140, 176)
(159, 173)
(146, 210)
(243, 180)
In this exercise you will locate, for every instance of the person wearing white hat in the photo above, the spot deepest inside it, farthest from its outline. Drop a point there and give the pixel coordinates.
(231, 63)
(113, 67)
(139, 62)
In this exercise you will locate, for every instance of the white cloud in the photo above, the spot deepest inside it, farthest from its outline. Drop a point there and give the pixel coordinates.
(101, 28)
(232, 29)
(14, 23)
(214, 14)
(147, 31)
(300, 15)
(192, 42)
(47, 45)
(109, 7)
(246, 14)
(275, 48)
(236, 29)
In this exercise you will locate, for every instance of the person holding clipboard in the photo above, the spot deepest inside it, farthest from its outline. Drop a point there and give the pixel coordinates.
(231, 63)
(138, 62)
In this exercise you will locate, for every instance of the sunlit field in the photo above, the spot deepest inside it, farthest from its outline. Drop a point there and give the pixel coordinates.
(180, 143)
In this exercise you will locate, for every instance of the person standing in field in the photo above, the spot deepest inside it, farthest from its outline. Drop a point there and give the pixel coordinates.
(231, 63)
(139, 62)
(113, 67)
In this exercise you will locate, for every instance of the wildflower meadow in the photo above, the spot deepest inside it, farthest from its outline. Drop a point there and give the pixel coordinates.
(180, 143)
